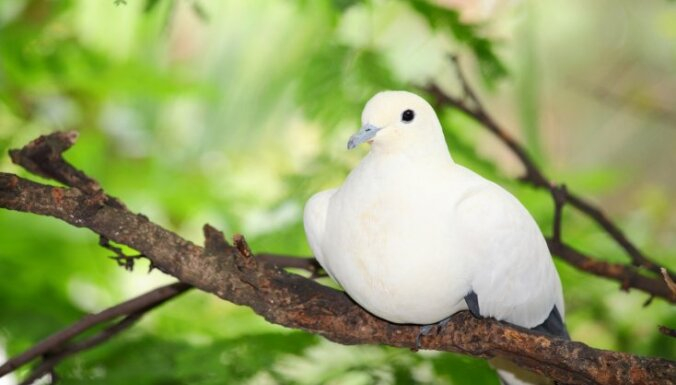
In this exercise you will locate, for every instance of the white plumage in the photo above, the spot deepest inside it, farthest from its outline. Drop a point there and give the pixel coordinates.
(410, 233)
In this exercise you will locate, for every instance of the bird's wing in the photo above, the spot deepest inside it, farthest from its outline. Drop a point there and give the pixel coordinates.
(513, 276)
(314, 220)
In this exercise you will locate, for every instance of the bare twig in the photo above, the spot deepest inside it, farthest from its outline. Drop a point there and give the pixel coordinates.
(668, 280)
(297, 302)
(55, 347)
(628, 276)
(43, 157)
(535, 177)
(638, 259)
(667, 331)
(49, 362)
(242, 245)
(559, 195)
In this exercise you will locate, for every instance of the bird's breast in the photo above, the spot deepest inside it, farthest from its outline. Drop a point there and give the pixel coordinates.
(392, 249)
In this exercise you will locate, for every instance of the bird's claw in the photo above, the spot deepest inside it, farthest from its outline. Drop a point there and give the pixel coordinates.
(441, 325)
(425, 330)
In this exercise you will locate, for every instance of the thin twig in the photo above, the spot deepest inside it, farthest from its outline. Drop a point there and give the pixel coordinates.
(50, 360)
(533, 174)
(468, 92)
(667, 331)
(668, 280)
(56, 347)
(638, 259)
(559, 196)
(628, 276)
(56, 341)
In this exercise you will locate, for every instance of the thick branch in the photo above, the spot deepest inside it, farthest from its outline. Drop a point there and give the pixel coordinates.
(57, 347)
(297, 302)
(628, 276)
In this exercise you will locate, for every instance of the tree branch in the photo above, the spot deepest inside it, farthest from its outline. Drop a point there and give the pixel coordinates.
(55, 347)
(51, 360)
(297, 302)
(471, 105)
(628, 276)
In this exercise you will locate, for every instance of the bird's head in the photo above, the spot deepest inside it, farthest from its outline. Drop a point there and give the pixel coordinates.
(398, 120)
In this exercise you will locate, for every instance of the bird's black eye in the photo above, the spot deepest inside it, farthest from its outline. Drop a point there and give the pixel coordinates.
(407, 116)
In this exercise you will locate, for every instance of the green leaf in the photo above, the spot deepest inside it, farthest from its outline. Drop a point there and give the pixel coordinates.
(337, 79)
(491, 66)
(150, 5)
(161, 360)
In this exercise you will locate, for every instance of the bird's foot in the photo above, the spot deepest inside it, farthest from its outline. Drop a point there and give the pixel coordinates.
(441, 325)
(472, 301)
(426, 330)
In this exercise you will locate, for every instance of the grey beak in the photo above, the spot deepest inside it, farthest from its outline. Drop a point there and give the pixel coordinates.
(366, 132)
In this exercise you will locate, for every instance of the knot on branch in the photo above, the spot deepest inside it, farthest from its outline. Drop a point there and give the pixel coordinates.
(241, 254)
(44, 157)
(559, 194)
(246, 257)
(532, 175)
(238, 259)
(214, 240)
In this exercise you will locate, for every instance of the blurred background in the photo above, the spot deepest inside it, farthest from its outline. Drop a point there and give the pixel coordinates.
(235, 112)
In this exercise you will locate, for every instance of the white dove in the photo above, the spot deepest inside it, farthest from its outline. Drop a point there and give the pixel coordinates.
(414, 237)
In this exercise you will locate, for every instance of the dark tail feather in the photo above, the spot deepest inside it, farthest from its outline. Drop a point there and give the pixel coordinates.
(554, 325)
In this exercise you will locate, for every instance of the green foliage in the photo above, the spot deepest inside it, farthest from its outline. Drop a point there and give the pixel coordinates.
(267, 358)
(157, 360)
(491, 67)
(337, 78)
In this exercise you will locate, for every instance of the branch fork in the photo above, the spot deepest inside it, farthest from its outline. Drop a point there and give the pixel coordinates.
(641, 273)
